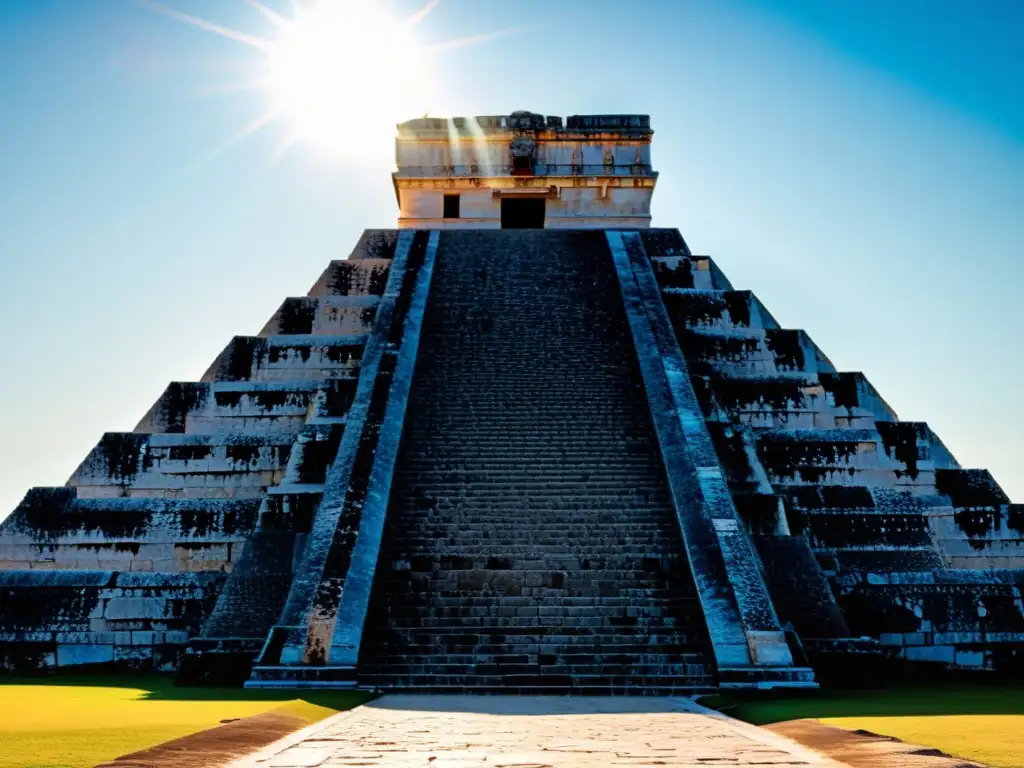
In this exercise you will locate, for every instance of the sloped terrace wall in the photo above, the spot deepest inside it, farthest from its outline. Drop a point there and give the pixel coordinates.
(874, 498)
(160, 516)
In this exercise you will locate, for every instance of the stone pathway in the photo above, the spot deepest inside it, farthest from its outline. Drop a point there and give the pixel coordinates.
(532, 732)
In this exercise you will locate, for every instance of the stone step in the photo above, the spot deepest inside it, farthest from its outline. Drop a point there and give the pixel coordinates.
(569, 465)
(529, 505)
(491, 561)
(572, 540)
(544, 683)
(530, 513)
(428, 646)
(497, 610)
(578, 587)
(612, 475)
(405, 589)
(456, 544)
(582, 451)
(468, 449)
(572, 657)
(528, 484)
(501, 430)
(649, 505)
(539, 453)
(471, 598)
(484, 669)
(386, 685)
(493, 623)
(510, 533)
(473, 512)
(539, 510)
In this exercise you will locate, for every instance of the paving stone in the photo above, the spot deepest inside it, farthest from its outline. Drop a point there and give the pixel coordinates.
(514, 507)
(532, 732)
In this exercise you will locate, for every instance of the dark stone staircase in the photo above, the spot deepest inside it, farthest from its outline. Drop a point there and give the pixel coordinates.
(531, 539)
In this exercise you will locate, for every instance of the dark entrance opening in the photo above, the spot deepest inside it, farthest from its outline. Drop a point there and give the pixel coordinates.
(451, 207)
(527, 213)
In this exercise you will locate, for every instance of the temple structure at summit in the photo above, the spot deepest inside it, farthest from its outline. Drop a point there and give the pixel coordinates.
(524, 171)
(522, 442)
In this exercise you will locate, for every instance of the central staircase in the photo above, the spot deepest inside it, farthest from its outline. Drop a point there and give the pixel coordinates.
(531, 542)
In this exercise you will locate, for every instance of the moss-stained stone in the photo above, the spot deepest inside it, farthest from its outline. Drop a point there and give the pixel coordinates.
(701, 350)
(241, 358)
(1015, 517)
(804, 454)
(350, 278)
(732, 454)
(244, 455)
(846, 529)
(687, 309)
(664, 242)
(344, 354)
(338, 396)
(900, 439)
(678, 276)
(296, 315)
(780, 394)
(738, 304)
(178, 401)
(787, 347)
(759, 511)
(318, 453)
(124, 455)
(376, 244)
(188, 453)
(843, 387)
(227, 399)
(970, 488)
(978, 501)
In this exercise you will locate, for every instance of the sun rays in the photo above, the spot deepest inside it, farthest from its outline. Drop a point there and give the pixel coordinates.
(337, 73)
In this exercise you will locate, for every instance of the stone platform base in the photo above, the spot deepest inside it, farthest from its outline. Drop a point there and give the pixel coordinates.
(467, 731)
(266, 676)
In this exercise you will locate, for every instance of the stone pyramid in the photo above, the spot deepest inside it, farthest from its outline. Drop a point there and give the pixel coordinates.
(490, 452)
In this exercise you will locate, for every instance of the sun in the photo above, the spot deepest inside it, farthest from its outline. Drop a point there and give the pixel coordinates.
(343, 73)
(339, 73)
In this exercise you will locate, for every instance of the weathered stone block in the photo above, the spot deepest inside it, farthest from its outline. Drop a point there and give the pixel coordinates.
(136, 608)
(74, 655)
(938, 653)
(974, 659)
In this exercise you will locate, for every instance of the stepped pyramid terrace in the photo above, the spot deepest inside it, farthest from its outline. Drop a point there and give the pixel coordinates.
(524, 442)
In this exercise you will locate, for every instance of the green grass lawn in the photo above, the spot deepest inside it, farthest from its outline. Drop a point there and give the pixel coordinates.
(983, 722)
(78, 722)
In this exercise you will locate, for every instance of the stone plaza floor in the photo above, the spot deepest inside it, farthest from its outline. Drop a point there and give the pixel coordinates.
(531, 732)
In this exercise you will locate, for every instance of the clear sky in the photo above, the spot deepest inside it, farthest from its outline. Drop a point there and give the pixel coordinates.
(859, 164)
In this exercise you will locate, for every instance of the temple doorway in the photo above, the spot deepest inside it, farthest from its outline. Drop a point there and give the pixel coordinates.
(525, 213)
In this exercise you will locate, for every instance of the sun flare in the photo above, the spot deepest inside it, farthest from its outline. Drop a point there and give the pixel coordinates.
(339, 73)
(343, 72)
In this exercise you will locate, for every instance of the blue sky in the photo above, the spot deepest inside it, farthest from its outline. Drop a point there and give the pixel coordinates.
(858, 164)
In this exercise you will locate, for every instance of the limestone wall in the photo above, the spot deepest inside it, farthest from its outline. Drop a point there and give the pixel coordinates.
(595, 171)
(126, 562)
(480, 146)
(875, 498)
(323, 316)
(56, 528)
(582, 207)
(580, 155)
(959, 618)
(80, 617)
(360, 277)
